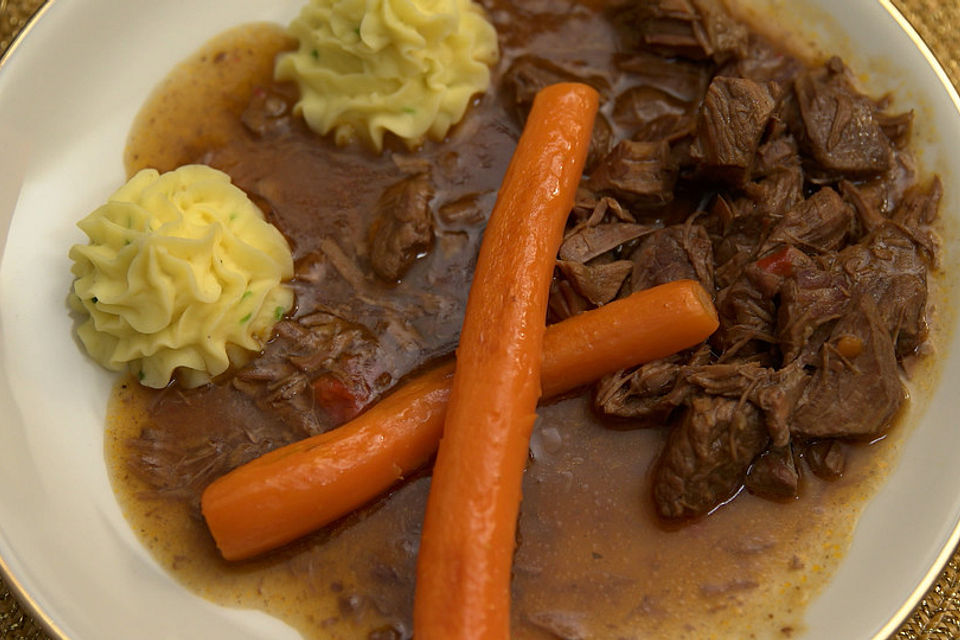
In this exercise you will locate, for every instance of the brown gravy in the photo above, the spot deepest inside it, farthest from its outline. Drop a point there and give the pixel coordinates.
(593, 560)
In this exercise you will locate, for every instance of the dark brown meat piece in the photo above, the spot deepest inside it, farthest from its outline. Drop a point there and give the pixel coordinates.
(826, 458)
(868, 217)
(589, 241)
(731, 121)
(674, 253)
(840, 129)
(897, 127)
(762, 63)
(738, 227)
(694, 29)
(680, 79)
(650, 392)
(856, 390)
(650, 114)
(643, 394)
(888, 268)
(774, 475)
(707, 455)
(777, 154)
(282, 381)
(403, 228)
(564, 301)
(598, 283)
(819, 224)
(774, 392)
(917, 212)
(810, 300)
(769, 272)
(746, 315)
(637, 172)
(774, 195)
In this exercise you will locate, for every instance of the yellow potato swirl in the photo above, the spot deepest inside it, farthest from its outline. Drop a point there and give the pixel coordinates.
(181, 269)
(366, 67)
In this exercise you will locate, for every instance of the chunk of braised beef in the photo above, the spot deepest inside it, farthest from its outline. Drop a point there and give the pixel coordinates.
(681, 251)
(747, 320)
(897, 127)
(317, 368)
(773, 195)
(763, 63)
(887, 267)
(403, 228)
(601, 142)
(178, 462)
(774, 475)
(730, 124)
(826, 458)
(840, 130)
(693, 29)
(738, 227)
(811, 298)
(637, 172)
(884, 192)
(869, 219)
(564, 301)
(598, 283)
(775, 392)
(683, 80)
(651, 115)
(706, 456)
(646, 395)
(777, 154)
(586, 242)
(726, 36)
(820, 224)
(770, 270)
(733, 235)
(591, 209)
(856, 389)
(916, 213)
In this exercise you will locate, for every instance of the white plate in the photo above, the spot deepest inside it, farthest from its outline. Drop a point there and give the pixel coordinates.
(68, 93)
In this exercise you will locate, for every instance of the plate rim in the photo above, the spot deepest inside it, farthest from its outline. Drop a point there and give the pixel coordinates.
(14, 585)
(895, 621)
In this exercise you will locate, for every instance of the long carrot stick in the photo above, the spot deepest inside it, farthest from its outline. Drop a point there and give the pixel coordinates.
(299, 488)
(466, 549)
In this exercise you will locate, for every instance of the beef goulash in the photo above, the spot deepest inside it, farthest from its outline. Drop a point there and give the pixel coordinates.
(706, 493)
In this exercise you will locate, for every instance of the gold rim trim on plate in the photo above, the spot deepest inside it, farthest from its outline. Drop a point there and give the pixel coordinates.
(914, 620)
(10, 586)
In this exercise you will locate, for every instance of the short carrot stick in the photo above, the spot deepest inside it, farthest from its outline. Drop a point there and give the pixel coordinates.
(649, 324)
(467, 544)
(299, 488)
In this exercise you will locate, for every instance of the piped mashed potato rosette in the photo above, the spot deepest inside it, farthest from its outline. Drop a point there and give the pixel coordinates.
(182, 274)
(365, 67)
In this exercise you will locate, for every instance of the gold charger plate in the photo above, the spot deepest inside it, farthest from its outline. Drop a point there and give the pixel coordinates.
(936, 617)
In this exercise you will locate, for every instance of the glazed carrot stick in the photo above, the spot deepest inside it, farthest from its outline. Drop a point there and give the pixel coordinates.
(301, 487)
(466, 548)
(647, 325)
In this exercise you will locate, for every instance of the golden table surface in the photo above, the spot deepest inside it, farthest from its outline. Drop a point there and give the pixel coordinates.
(937, 617)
